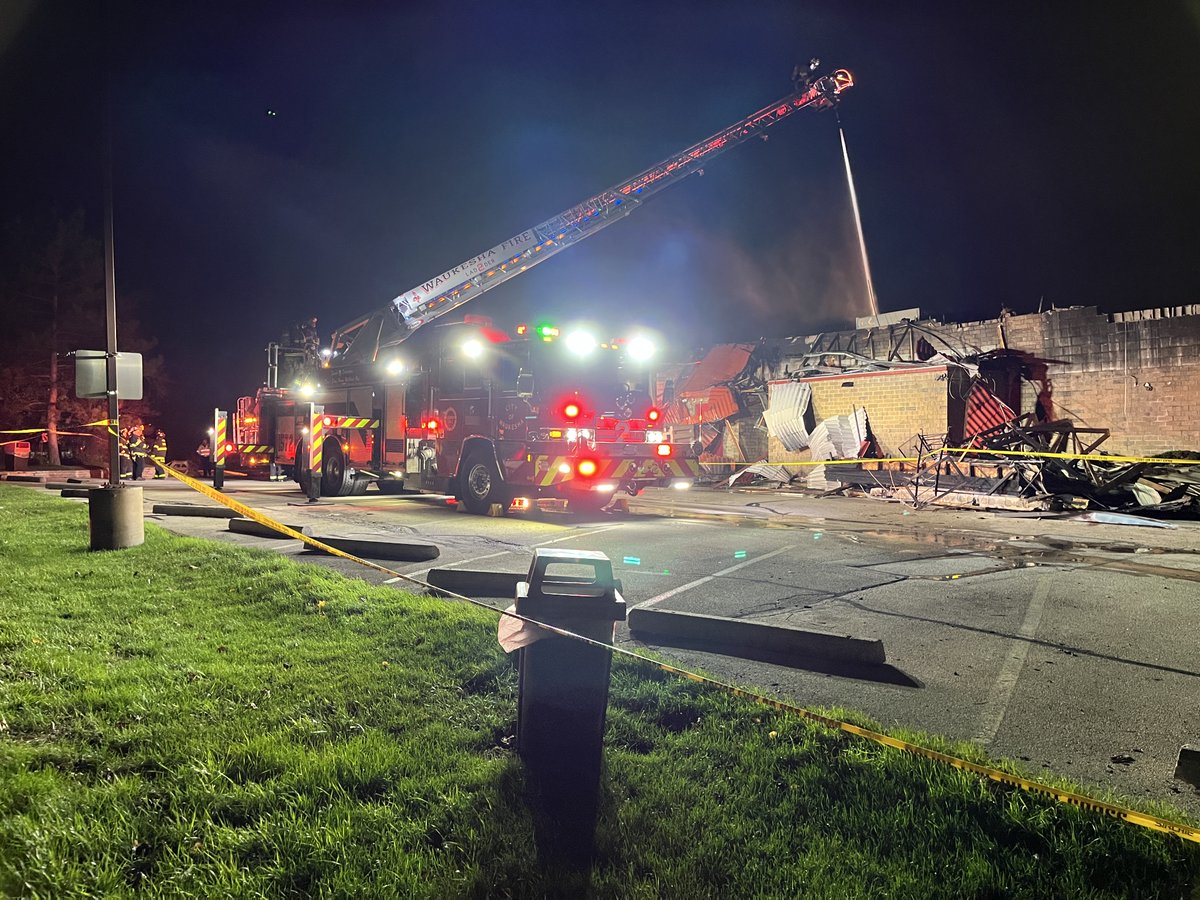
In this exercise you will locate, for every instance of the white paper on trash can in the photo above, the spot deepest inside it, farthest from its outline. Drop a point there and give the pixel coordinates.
(514, 633)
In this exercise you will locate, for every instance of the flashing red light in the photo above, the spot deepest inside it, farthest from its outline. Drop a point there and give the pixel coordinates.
(572, 410)
(433, 425)
(663, 450)
(653, 414)
(229, 448)
(586, 467)
(327, 421)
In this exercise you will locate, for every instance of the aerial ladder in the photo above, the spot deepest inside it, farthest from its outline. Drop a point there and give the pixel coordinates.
(361, 341)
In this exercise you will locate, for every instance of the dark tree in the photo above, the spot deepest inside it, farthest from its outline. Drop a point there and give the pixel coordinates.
(53, 285)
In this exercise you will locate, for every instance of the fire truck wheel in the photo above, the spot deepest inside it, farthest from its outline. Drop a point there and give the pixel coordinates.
(335, 479)
(359, 486)
(481, 485)
(300, 471)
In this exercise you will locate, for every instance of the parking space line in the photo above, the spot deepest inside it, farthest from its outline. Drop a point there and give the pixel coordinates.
(1001, 693)
(707, 578)
(570, 537)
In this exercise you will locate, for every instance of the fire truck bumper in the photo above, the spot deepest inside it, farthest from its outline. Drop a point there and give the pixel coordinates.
(555, 474)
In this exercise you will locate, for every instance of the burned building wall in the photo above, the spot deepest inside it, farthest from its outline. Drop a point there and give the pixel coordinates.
(900, 404)
(1135, 373)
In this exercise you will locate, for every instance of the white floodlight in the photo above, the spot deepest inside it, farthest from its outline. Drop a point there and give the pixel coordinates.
(640, 348)
(473, 349)
(307, 390)
(395, 367)
(581, 343)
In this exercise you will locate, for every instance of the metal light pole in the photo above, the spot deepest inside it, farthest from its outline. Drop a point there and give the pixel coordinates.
(110, 310)
(115, 518)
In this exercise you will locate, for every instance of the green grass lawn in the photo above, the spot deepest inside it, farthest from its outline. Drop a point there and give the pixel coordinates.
(194, 719)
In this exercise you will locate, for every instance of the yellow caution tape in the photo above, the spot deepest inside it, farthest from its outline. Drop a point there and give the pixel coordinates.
(961, 454)
(251, 513)
(1133, 817)
(44, 428)
(1112, 810)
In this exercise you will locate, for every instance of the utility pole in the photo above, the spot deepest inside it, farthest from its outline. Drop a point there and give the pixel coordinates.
(115, 518)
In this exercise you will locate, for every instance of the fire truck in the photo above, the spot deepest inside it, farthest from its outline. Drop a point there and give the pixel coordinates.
(483, 415)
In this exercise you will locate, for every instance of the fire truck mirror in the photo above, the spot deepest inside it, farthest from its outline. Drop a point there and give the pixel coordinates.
(525, 384)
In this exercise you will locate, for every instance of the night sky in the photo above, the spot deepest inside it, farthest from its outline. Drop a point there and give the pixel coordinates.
(274, 161)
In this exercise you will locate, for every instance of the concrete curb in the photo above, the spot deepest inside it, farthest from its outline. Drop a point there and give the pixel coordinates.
(369, 549)
(66, 485)
(186, 509)
(257, 529)
(666, 625)
(83, 492)
(474, 583)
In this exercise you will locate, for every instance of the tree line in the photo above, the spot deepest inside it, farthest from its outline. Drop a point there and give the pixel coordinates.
(52, 291)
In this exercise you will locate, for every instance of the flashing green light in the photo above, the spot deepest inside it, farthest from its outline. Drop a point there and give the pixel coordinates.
(547, 331)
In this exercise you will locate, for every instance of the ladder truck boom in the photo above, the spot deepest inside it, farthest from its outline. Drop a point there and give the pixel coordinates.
(361, 340)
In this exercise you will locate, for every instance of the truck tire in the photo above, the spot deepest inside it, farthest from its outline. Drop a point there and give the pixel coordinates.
(480, 484)
(336, 480)
(300, 471)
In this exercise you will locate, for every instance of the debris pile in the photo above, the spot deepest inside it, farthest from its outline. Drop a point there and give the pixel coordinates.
(1020, 464)
(973, 448)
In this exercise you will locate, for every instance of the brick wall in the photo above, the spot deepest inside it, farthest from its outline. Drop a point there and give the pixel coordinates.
(1084, 365)
(900, 404)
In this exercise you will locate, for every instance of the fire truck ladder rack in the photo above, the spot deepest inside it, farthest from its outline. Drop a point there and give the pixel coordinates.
(361, 340)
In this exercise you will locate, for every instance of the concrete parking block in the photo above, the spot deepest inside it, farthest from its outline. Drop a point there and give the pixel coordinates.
(407, 551)
(471, 583)
(190, 509)
(647, 624)
(1187, 768)
(250, 526)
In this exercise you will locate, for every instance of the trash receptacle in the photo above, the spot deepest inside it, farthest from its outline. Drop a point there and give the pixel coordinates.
(563, 692)
(16, 456)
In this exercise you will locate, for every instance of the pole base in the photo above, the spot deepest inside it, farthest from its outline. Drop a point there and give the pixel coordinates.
(115, 517)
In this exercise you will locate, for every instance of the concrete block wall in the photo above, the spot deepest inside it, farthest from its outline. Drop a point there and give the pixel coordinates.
(1087, 366)
(1097, 367)
(900, 404)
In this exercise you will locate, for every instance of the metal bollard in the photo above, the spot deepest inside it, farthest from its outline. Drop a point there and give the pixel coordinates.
(563, 693)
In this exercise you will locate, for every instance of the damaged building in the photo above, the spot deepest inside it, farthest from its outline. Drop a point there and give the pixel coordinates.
(1027, 393)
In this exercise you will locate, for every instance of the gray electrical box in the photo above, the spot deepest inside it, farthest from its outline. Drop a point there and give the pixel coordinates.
(91, 377)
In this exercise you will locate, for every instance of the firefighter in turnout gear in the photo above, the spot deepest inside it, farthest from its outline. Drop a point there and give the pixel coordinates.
(204, 452)
(158, 454)
(138, 450)
(126, 466)
(311, 343)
